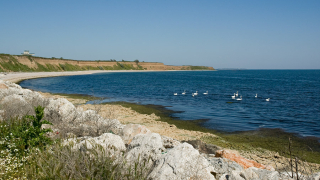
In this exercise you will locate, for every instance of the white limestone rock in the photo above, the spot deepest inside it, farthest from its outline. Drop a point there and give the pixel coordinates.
(66, 109)
(182, 162)
(169, 142)
(131, 130)
(111, 143)
(148, 147)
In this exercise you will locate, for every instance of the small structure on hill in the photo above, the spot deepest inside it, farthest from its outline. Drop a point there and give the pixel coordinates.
(26, 52)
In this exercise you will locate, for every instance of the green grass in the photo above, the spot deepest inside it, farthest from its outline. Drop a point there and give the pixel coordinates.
(199, 68)
(9, 63)
(270, 139)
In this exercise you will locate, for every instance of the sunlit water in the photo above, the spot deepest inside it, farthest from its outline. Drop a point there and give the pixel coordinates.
(294, 95)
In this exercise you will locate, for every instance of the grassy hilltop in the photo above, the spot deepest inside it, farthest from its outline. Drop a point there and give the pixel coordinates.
(23, 63)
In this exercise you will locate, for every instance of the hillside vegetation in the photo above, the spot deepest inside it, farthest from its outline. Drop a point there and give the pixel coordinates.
(17, 63)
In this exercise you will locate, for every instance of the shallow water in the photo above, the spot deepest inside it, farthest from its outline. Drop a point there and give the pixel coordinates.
(294, 95)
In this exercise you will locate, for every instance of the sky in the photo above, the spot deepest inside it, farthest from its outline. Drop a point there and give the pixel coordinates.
(269, 34)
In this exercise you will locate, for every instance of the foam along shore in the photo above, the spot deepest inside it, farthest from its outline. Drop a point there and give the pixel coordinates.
(142, 134)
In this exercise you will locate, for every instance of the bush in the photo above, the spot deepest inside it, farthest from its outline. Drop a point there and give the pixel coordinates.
(17, 137)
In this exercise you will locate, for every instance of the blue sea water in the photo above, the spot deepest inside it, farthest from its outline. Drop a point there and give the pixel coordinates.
(294, 104)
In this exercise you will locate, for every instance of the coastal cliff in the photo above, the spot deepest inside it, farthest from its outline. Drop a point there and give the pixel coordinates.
(16, 63)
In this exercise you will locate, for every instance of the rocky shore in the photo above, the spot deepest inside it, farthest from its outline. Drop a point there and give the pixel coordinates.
(170, 153)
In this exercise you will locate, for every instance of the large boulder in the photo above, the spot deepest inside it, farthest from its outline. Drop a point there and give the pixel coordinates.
(148, 147)
(223, 167)
(131, 130)
(60, 110)
(110, 143)
(182, 162)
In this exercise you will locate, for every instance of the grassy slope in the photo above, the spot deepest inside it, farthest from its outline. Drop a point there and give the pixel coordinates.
(10, 64)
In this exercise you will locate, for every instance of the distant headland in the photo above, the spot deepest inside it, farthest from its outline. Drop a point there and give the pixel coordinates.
(28, 63)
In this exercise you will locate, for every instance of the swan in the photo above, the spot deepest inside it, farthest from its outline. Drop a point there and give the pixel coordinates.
(234, 96)
(192, 94)
(237, 94)
(205, 93)
(184, 92)
(196, 93)
(239, 99)
(175, 94)
(268, 99)
(256, 96)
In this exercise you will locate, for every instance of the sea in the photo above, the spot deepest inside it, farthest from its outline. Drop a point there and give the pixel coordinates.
(294, 104)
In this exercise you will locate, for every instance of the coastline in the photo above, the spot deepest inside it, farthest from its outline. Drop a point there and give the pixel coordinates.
(16, 77)
(126, 116)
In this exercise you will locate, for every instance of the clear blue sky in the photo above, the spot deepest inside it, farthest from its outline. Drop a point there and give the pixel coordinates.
(269, 34)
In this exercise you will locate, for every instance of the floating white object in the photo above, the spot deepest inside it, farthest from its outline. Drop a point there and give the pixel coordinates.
(256, 96)
(268, 99)
(205, 93)
(196, 93)
(175, 94)
(193, 95)
(237, 94)
(239, 99)
(234, 96)
(184, 92)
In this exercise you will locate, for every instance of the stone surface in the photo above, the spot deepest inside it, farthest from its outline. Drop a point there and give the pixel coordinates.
(203, 147)
(315, 176)
(169, 142)
(256, 173)
(182, 162)
(223, 166)
(131, 130)
(3, 86)
(66, 110)
(111, 143)
(148, 147)
(245, 163)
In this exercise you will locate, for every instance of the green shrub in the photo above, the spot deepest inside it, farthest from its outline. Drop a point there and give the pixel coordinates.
(17, 138)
